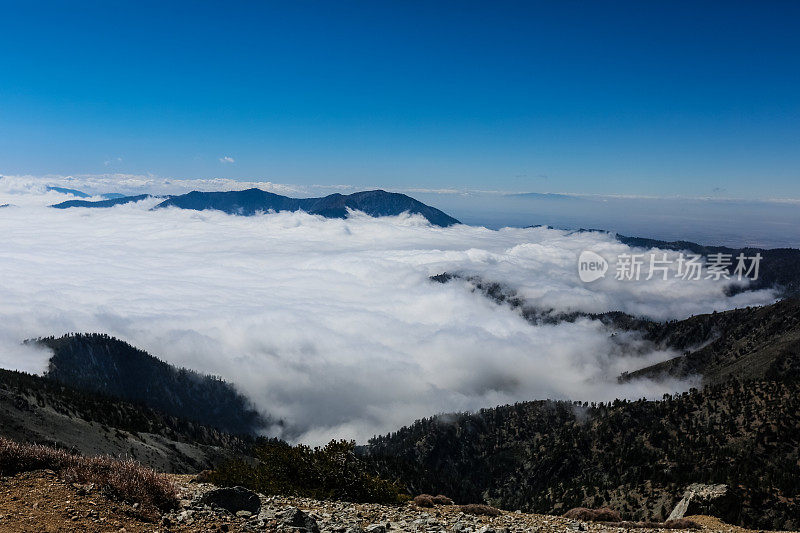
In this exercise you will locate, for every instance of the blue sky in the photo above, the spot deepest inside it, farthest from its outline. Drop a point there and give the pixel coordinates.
(658, 98)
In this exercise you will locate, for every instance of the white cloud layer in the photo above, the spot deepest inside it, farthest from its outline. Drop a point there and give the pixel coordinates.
(331, 325)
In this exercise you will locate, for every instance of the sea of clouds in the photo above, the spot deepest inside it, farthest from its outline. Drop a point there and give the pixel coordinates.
(330, 325)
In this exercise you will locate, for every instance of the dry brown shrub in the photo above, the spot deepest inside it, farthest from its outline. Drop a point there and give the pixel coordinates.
(424, 500)
(681, 523)
(441, 499)
(480, 509)
(124, 479)
(604, 514)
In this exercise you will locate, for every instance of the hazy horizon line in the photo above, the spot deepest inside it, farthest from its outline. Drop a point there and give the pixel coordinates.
(129, 181)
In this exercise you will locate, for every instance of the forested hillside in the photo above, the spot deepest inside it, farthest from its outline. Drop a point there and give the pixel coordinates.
(102, 364)
(38, 410)
(636, 457)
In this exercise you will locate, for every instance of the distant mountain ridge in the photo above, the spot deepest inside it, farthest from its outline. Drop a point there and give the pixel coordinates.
(64, 190)
(81, 194)
(111, 202)
(376, 203)
(249, 202)
(101, 364)
(779, 267)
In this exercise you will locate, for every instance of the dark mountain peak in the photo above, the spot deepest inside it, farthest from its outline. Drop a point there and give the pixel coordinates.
(375, 192)
(245, 203)
(382, 203)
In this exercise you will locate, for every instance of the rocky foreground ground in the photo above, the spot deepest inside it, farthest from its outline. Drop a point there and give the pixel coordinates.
(41, 502)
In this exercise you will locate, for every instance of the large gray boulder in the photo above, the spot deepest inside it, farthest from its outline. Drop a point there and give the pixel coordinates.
(713, 500)
(232, 499)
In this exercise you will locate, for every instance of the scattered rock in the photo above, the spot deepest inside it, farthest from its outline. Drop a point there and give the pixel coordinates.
(294, 517)
(202, 477)
(281, 514)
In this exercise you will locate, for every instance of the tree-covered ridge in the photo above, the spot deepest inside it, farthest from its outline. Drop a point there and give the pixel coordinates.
(636, 456)
(754, 342)
(330, 472)
(102, 364)
(27, 391)
(748, 343)
(779, 267)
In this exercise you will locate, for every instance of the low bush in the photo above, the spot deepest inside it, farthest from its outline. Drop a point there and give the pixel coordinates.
(332, 472)
(441, 499)
(480, 509)
(681, 523)
(604, 514)
(424, 500)
(123, 479)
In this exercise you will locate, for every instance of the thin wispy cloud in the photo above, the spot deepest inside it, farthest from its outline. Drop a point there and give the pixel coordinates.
(135, 184)
(227, 159)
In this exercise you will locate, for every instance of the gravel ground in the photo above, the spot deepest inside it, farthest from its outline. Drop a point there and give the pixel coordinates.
(41, 502)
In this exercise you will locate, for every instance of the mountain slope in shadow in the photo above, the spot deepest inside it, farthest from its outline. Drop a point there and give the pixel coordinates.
(101, 364)
(38, 410)
(750, 343)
